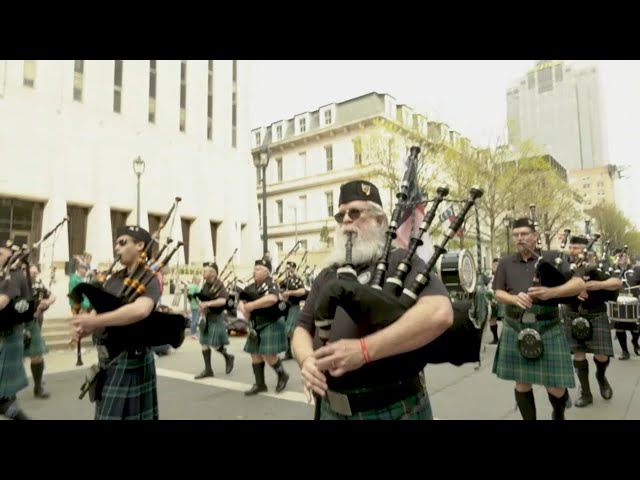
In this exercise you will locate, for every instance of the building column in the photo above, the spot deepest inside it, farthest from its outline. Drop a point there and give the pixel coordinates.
(56, 248)
(201, 243)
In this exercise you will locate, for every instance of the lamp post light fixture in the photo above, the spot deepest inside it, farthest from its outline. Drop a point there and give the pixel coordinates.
(261, 160)
(138, 169)
(507, 226)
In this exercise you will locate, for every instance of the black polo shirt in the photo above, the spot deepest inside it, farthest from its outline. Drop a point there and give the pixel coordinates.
(515, 274)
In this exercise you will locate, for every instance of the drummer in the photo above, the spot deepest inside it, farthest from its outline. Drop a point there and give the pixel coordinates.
(631, 275)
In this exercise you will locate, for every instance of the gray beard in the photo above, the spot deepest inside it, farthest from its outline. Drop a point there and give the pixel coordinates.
(367, 247)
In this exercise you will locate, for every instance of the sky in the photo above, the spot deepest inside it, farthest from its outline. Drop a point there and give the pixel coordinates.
(468, 95)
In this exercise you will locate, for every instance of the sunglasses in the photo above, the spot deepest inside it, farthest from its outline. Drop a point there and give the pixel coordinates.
(122, 242)
(354, 214)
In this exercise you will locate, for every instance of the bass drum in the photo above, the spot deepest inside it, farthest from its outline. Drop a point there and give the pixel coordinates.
(457, 270)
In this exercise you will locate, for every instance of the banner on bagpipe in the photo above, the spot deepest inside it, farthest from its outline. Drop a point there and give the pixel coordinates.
(384, 300)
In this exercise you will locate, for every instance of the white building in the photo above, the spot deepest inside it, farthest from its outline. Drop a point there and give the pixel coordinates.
(558, 105)
(313, 153)
(70, 131)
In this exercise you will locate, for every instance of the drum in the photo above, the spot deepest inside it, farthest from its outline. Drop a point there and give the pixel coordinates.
(457, 271)
(624, 313)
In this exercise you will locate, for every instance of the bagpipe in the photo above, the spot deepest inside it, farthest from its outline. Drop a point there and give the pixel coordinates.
(220, 287)
(159, 328)
(375, 306)
(21, 310)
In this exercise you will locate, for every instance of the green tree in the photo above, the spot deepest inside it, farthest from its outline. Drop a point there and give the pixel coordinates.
(612, 224)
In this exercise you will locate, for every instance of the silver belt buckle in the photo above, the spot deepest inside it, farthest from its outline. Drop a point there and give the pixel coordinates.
(103, 354)
(339, 403)
(529, 317)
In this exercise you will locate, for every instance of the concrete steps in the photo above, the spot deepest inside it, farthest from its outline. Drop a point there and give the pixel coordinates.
(57, 334)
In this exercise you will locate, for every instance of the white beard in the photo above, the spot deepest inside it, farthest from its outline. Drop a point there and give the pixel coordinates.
(367, 247)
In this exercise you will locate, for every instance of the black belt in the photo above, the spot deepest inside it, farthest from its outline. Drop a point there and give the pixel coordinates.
(376, 398)
(541, 328)
(587, 313)
(515, 312)
(132, 352)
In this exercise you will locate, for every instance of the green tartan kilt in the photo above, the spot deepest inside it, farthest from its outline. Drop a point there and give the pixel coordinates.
(38, 346)
(415, 407)
(292, 316)
(130, 389)
(216, 334)
(553, 369)
(13, 376)
(601, 342)
(273, 339)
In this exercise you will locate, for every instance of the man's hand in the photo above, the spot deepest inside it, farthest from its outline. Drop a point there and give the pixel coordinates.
(583, 296)
(83, 325)
(522, 300)
(203, 306)
(313, 380)
(540, 293)
(340, 357)
(593, 285)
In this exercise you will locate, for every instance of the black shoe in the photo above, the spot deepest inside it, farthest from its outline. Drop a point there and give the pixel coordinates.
(624, 356)
(636, 349)
(204, 374)
(283, 378)
(40, 392)
(228, 363)
(255, 389)
(584, 400)
(605, 389)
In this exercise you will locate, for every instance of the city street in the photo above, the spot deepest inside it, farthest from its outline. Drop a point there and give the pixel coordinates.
(457, 393)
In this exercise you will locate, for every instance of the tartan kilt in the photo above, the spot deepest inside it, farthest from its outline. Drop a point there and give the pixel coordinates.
(553, 369)
(38, 346)
(601, 342)
(292, 316)
(415, 407)
(216, 334)
(13, 376)
(130, 389)
(273, 340)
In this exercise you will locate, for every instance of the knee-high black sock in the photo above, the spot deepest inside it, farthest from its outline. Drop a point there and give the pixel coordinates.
(622, 339)
(526, 404)
(206, 354)
(559, 405)
(37, 369)
(582, 370)
(494, 331)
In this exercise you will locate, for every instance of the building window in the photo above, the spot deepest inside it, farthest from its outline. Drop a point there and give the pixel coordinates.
(78, 79)
(357, 151)
(210, 102)
(329, 196)
(183, 95)
(327, 117)
(258, 139)
(77, 229)
(531, 80)
(279, 168)
(328, 151)
(152, 90)
(117, 86)
(215, 226)
(20, 221)
(302, 208)
(279, 204)
(29, 76)
(545, 80)
(303, 164)
(303, 245)
(302, 125)
(186, 230)
(558, 69)
(234, 105)
(279, 248)
(278, 132)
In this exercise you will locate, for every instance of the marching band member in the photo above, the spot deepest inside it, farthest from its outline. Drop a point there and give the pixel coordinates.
(213, 331)
(267, 338)
(13, 376)
(127, 389)
(632, 279)
(591, 306)
(37, 347)
(360, 377)
(293, 292)
(532, 309)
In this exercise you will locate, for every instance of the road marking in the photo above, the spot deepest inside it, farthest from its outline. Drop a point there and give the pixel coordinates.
(229, 385)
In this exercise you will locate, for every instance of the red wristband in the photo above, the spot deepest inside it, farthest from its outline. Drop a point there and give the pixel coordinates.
(365, 352)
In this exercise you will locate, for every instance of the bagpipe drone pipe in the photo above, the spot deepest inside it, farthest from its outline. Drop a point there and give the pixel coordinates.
(159, 328)
(21, 310)
(373, 307)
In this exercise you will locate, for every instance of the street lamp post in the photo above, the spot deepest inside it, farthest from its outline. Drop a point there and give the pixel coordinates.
(261, 160)
(138, 168)
(507, 227)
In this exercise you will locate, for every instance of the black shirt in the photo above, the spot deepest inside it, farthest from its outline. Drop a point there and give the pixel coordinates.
(293, 282)
(215, 290)
(381, 371)
(255, 291)
(114, 286)
(515, 275)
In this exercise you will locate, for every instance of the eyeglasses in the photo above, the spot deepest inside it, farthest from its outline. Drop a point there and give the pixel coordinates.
(354, 214)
